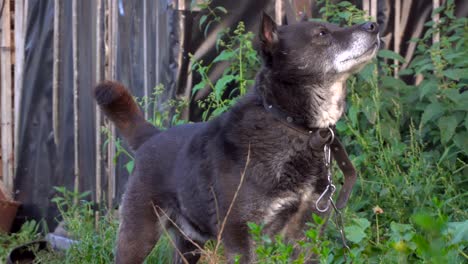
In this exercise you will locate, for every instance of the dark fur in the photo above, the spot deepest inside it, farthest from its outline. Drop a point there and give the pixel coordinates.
(191, 172)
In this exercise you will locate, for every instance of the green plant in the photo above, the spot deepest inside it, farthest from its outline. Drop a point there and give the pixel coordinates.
(27, 233)
(242, 60)
(163, 114)
(343, 12)
(443, 111)
(211, 14)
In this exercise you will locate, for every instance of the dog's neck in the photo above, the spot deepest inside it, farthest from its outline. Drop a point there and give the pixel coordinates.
(319, 106)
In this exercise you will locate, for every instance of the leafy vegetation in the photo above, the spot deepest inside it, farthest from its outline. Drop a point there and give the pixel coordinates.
(407, 138)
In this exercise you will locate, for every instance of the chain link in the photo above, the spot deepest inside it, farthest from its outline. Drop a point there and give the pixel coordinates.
(331, 187)
(340, 224)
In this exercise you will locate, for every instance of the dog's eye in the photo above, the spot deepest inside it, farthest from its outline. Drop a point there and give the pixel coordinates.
(323, 33)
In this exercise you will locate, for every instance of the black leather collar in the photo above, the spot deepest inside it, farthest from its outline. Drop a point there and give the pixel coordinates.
(296, 123)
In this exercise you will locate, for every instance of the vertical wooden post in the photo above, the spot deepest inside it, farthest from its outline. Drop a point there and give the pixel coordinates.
(156, 10)
(373, 9)
(58, 9)
(278, 11)
(436, 19)
(20, 23)
(76, 94)
(111, 74)
(145, 57)
(99, 77)
(397, 35)
(6, 106)
(366, 7)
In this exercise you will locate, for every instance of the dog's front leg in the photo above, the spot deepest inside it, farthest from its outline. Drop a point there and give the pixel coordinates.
(238, 245)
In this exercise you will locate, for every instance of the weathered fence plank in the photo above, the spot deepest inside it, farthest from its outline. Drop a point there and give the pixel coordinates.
(20, 33)
(111, 74)
(6, 95)
(57, 67)
(76, 94)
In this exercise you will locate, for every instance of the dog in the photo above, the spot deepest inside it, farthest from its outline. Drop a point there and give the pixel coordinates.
(259, 162)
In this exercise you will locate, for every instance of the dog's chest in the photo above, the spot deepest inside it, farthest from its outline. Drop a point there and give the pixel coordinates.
(286, 215)
(300, 178)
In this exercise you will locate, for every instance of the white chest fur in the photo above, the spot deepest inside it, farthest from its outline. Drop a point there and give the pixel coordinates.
(302, 201)
(331, 108)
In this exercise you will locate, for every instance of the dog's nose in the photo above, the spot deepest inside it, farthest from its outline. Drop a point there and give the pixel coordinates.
(370, 27)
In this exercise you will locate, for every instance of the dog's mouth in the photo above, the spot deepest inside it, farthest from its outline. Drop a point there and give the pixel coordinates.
(368, 53)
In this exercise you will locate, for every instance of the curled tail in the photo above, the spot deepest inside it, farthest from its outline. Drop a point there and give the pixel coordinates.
(118, 105)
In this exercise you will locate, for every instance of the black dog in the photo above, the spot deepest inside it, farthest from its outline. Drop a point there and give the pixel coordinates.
(188, 175)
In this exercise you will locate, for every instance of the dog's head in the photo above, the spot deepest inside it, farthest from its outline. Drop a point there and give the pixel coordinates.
(316, 49)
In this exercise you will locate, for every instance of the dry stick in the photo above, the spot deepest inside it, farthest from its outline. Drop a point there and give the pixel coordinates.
(99, 77)
(76, 93)
(167, 233)
(397, 35)
(232, 202)
(216, 204)
(6, 95)
(58, 4)
(20, 20)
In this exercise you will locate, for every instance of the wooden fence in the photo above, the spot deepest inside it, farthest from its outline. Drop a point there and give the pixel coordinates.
(12, 54)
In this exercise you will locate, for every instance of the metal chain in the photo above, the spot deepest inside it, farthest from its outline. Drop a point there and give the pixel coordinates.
(340, 224)
(331, 187)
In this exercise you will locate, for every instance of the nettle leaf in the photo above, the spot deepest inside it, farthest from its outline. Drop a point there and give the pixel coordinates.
(447, 126)
(390, 131)
(455, 74)
(368, 72)
(344, 15)
(129, 166)
(202, 21)
(427, 87)
(405, 72)
(432, 110)
(391, 82)
(221, 85)
(362, 222)
(222, 9)
(459, 231)
(352, 114)
(452, 94)
(225, 55)
(425, 67)
(388, 54)
(356, 233)
(344, 4)
(401, 231)
(199, 86)
(461, 141)
(219, 110)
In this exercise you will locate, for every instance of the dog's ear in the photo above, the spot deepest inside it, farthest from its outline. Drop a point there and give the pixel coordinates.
(268, 33)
